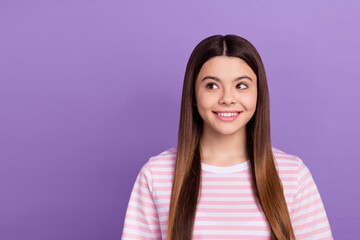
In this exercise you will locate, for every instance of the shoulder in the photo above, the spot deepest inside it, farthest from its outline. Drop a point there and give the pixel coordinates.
(165, 157)
(161, 162)
(288, 164)
(293, 173)
(158, 168)
(283, 158)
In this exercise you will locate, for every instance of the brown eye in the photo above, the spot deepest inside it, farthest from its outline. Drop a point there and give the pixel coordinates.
(211, 86)
(243, 85)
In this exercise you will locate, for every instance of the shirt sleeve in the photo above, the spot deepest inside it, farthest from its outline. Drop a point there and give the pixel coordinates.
(141, 219)
(308, 214)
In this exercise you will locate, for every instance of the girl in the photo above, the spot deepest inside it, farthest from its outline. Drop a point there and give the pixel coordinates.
(224, 180)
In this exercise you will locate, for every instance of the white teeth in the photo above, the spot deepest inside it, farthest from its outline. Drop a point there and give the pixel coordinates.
(227, 114)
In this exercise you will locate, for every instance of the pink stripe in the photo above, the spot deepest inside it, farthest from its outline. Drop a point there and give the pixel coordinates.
(229, 187)
(237, 203)
(308, 205)
(222, 210)
(142, 220)
(285, 164)
(237, 228)
(228, 179)
(311, 223)
(166, 180)
(141, 193)
(142, 229)
(306, 196)
(249, 237)
(148, 214)
(308, 215)
(287, 172)
(164, 165)
(245, 218)
(312, 233)
(284, 157)
(137, 236)
(327, 238)
(159, 173)
(142, 204)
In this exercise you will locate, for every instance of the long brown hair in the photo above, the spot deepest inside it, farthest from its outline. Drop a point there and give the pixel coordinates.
(266, 183)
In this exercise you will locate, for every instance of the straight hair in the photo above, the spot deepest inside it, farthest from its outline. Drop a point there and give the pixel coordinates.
(265, 182)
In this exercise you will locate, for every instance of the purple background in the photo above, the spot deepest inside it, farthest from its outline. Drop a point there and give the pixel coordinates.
(89, 90)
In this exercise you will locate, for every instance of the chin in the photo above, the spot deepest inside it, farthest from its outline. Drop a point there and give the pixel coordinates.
(228, 132)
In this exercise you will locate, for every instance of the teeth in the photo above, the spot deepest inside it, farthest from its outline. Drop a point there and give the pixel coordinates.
(227, 114)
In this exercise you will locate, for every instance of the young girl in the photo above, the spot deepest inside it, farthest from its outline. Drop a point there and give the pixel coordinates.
(224, 180)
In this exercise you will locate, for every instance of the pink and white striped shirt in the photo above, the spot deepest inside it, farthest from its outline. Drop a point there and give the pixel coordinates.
(226, 208)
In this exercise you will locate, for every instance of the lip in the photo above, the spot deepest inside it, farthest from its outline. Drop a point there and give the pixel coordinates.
(228, 111)
(227, 119)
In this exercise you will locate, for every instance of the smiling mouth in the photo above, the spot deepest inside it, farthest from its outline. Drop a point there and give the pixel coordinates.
(227, 114)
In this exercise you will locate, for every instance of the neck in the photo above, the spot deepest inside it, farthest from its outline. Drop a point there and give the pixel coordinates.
(223, 150)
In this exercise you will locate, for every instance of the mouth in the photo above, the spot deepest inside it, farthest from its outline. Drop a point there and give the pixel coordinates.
(227, 116)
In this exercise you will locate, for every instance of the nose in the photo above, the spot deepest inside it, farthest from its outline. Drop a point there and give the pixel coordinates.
(227, 97)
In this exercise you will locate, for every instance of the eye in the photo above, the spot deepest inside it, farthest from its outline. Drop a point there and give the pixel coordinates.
(243, 85)
(211, 86)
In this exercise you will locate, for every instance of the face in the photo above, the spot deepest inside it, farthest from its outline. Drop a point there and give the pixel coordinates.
(226, 95)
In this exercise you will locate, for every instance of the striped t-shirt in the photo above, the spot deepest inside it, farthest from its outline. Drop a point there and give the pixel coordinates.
(227, 207)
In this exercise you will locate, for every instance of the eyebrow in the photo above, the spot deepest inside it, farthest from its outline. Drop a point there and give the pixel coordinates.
(218, 80)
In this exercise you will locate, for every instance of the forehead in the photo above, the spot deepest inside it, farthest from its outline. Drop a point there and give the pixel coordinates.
(226, 67)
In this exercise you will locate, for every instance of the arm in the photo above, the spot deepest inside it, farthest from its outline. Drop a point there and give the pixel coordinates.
(308, 214)
(141, 220)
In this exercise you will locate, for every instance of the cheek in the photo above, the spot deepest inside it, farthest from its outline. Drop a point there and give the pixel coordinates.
(249, 101)
(204, 104)
(206, 100)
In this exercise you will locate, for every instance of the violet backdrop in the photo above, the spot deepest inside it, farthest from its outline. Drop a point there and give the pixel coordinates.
(90, 90)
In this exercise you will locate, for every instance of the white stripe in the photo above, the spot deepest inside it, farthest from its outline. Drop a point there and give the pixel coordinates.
(144, 234)
(231, 232)
(309, 219)
(319, 236)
